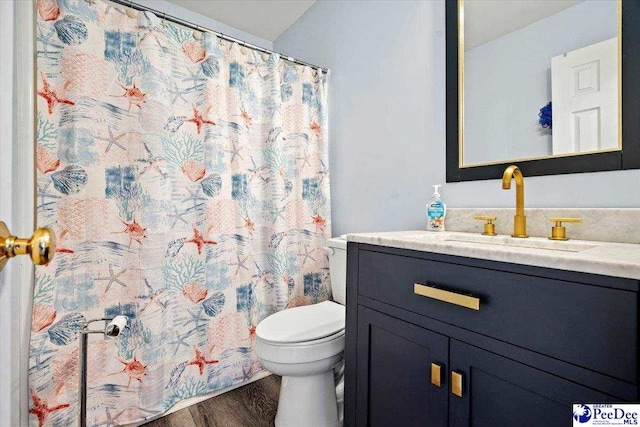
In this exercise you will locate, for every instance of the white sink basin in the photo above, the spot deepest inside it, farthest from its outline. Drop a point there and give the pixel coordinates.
(530, 243)
(508, 241)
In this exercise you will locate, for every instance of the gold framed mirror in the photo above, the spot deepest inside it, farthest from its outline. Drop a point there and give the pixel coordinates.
(540, 83)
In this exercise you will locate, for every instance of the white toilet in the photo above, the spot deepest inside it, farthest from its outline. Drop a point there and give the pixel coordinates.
(305, 346)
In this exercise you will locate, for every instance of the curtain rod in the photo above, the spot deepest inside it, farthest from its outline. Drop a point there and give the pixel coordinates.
(176, 20)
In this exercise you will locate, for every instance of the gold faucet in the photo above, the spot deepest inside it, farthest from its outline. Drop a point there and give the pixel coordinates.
(520, 220)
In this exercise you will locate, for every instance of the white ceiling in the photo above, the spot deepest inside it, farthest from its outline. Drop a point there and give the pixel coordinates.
(267, 18)
(485, 20)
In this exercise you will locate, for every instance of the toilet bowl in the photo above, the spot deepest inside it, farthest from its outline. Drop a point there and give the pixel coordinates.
(305, 346)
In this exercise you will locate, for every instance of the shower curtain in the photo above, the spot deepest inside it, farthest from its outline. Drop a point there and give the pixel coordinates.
(186, 179)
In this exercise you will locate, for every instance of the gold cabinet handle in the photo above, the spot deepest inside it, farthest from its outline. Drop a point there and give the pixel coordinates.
(558, 232)
(489, 227)
(41, 246)
(436, 378)
(466, 301)
(456, 383)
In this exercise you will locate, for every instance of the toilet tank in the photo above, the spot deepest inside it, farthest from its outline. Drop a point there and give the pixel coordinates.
(337, 248)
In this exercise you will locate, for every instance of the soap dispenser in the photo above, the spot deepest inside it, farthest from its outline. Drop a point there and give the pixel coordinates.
(436, 211)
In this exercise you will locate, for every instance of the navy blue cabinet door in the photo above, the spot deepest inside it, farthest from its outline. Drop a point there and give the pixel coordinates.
(394, 378)
(497, 391)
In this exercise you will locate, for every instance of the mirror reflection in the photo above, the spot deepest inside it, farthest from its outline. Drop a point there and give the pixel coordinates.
(541, 78)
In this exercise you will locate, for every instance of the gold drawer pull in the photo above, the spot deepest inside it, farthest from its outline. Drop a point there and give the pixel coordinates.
(456, 383)
(435, 374)
(451, 297)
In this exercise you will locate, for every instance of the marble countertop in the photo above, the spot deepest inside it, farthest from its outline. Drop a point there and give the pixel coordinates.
(609, 259)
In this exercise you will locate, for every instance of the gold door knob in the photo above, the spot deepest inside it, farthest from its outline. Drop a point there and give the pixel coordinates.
(558, 232)
(41, 246)
(489, 227)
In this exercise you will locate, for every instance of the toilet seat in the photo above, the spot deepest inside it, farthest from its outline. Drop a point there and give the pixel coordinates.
(302, 334)
(304, 325)
(331, 337)
(301, 353)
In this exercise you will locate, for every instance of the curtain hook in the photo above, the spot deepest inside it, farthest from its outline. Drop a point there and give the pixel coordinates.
(131, 11)
(197, 34)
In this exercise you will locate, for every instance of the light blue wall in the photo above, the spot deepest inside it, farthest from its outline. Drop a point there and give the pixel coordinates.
(387, 119)
(508, 80)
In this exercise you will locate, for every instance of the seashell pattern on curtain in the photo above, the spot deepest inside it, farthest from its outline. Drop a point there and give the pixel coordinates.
(187, 182)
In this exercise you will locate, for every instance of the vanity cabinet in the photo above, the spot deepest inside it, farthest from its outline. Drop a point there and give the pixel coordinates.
(497, 391)
(395, 378)
(541, 340)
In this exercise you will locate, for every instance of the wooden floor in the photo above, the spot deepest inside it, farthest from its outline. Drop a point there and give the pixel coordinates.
(252, 405)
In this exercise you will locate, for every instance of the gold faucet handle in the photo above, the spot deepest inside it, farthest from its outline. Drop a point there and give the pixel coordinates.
(558, 231)
(489, 227)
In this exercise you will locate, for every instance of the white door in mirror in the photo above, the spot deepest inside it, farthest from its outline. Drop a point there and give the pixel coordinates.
(585, 98)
